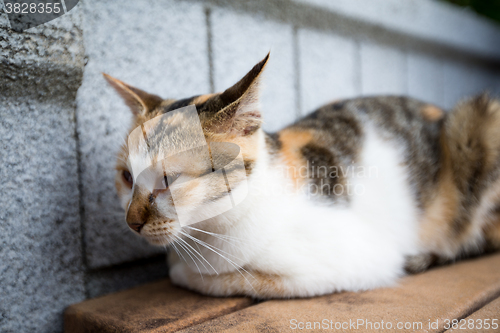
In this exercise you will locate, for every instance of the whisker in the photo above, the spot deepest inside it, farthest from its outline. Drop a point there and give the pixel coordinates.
(219, 236)
(175, 249)
(194, 252)
(188, 253)
(180, 252)
(230, 254)
(212, 233)
(200, 256)
(232, 263)
(199, 250)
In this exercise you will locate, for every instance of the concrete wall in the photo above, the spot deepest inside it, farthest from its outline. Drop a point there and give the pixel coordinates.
(62, 232)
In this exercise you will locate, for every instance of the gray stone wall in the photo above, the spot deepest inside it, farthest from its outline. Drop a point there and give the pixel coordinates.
(42, 267)
(62, 234)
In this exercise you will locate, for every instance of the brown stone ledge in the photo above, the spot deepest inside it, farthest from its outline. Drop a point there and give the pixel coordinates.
(154, 307)
(462, 290)
(486, 319)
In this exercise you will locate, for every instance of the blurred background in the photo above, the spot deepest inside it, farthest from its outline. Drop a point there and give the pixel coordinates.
(62, 233)
(488, 8)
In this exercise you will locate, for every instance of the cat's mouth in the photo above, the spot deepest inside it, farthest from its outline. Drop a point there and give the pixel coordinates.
(160, 233)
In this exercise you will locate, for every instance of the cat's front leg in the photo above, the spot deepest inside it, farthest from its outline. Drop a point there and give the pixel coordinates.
(227, 284)
(179, 275)
(172, 257)
(247, 283)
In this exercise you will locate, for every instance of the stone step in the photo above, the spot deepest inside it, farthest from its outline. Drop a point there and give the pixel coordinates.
(154, 307)
(425, 302)
(486, 319)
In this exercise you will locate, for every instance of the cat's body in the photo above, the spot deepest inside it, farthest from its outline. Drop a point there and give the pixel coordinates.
(344, 199)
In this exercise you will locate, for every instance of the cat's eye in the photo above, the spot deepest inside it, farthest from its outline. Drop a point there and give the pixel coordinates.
(127, 177)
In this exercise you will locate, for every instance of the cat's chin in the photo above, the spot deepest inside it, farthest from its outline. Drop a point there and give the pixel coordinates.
(158, 240)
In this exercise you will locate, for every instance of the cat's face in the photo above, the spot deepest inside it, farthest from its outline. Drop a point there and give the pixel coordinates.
(167, 182)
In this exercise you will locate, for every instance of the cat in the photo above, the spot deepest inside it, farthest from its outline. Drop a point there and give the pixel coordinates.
(348, 198)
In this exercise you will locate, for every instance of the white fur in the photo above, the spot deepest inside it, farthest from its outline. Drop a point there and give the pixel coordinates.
(317, 248)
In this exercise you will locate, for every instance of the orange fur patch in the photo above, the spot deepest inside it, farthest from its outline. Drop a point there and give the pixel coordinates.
(492, 234)
(248, 144)
(432, 113)
(440, 210)
(491, 133)
(292, 141)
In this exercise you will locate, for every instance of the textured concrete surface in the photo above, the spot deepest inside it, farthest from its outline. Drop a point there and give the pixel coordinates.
(457, 82)
(329, 68)
(4, 19)
(43, 62)
(40, 242)
(383, 70)
(119, 277)
(58, 43)
(426, 78)
(430, 20)
(485, 319)
(239, 42)
(167, 56)
(41, 267)
(443, 293)
(462, 79)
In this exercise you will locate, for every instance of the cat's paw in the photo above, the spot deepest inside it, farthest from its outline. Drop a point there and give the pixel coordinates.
(419, 263)
(179, 275)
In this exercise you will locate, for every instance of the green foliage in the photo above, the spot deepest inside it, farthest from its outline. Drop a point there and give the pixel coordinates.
(488, 8)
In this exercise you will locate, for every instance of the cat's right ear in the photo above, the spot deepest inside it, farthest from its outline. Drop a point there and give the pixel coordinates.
(139, 101)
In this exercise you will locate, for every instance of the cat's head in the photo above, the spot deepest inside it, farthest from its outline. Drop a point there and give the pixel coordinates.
(231, 117)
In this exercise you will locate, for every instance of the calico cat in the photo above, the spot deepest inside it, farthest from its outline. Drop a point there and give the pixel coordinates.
(346, 198)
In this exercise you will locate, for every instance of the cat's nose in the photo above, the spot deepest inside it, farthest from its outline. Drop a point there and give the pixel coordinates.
(136, 220)
(136, 226)
(137, 215)
(139, 210)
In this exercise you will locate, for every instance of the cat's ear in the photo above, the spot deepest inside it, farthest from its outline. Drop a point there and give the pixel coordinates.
(240, 112)
(140, 102)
